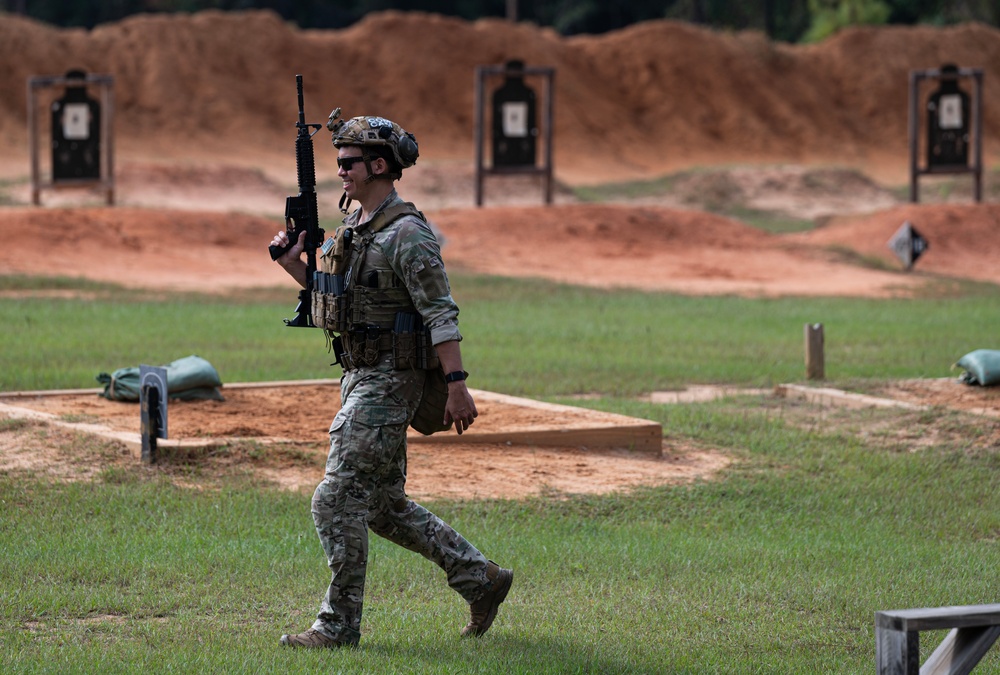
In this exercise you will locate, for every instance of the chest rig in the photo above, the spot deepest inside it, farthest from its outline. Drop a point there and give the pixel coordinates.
(365, 307)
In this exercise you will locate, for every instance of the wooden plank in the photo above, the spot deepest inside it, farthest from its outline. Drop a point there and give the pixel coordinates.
(571, 426)
(938, 618)
(961, 651)
(897, 652)
(839, 398)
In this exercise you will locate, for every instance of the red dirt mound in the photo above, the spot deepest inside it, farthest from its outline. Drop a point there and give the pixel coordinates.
(641, 101)
(181, 250)
(648, 248)
(606, 246)
(964, 238)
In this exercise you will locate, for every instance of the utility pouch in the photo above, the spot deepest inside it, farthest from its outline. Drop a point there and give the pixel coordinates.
(318, 308)
(404, 341)
(336, 251)
(371, 341)
(329, 302)
(358, 303)
(340, 354)
(364, 346)
(411, 344)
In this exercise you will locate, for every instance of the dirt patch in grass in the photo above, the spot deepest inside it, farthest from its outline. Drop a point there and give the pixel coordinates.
(956, 416)
(464, 471)
(290, 454)
(946, 393)
(278, 436)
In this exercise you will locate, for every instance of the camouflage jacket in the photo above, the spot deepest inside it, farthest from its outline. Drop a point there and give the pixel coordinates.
(406, 252)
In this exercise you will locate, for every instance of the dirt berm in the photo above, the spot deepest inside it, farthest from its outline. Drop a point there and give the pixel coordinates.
(642, 101)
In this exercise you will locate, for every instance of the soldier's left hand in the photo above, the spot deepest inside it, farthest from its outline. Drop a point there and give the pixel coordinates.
(460, 409)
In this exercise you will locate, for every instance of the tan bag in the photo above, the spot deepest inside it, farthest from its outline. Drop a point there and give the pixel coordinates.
(430, 413)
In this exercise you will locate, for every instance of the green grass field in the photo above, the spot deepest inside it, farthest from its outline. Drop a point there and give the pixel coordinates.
(775, 566)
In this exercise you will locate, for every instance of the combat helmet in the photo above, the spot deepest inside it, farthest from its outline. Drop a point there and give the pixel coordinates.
(376, 133)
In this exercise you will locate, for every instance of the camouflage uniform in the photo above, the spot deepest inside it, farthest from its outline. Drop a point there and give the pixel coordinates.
(365, 480)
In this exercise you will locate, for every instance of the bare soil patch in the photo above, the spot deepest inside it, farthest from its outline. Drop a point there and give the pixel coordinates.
(946, 393)
(602, 245)
(297, 412)
(278, 435)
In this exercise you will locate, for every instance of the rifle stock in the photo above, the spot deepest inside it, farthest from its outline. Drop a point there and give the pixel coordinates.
(302, 213)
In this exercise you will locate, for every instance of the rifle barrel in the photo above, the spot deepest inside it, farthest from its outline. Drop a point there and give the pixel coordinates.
(302, 105)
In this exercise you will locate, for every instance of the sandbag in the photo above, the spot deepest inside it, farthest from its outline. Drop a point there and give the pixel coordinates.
(982, 367)
(191, 378)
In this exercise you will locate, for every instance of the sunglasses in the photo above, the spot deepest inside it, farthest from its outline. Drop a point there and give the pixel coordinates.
(347, 163)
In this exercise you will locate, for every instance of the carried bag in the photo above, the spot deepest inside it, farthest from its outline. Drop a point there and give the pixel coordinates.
(429, 417)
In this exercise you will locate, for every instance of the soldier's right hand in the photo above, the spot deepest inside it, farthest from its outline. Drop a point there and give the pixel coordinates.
(292, 254)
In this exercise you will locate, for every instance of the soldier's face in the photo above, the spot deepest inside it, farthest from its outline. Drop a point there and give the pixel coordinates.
(351, 169)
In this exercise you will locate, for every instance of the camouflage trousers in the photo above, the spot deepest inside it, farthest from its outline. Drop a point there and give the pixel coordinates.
(364, 488)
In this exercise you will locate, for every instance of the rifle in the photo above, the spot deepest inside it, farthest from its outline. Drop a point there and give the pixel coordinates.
(304, 214)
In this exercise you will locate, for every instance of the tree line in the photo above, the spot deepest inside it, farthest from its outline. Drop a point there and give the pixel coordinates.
(785, 20)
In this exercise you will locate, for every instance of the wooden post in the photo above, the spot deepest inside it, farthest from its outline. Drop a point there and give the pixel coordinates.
(814, 351)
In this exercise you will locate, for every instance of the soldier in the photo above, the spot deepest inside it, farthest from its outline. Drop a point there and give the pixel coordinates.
(392, 267)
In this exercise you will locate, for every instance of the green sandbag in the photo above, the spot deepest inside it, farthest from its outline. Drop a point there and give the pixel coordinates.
(190, 379)
(982, 367)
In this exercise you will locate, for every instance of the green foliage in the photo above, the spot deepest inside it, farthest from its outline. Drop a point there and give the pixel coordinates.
(781, 19)
(829, 16)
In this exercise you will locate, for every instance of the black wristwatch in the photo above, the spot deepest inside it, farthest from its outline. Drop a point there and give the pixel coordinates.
(456, 376)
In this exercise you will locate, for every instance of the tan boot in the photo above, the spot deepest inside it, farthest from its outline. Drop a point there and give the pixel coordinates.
(313, 639)
(484, 610)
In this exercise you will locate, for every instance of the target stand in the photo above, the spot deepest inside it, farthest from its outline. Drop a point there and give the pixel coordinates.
(515, 129)
(81, 127)
(954, 125)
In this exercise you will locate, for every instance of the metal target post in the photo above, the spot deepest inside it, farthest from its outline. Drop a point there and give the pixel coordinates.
(153, 395)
